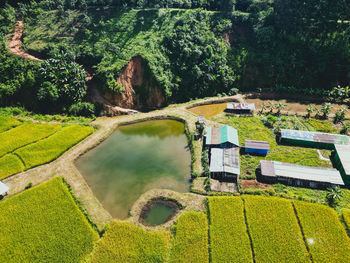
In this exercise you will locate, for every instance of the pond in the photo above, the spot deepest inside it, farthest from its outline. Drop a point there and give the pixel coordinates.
(158, 212)
(209, 110)
(134, 159)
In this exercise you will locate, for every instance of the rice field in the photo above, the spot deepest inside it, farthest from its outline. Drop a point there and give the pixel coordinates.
(125, 242)
(325, 235)
(346, 217)
(7, 123)
(44, 224)
(228, 231)
(190, 243)
(29, 145)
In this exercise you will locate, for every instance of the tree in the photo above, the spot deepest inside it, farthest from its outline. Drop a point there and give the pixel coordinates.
(310, 110)
(334, 196)
(340, 115)
(280, 106)
(63, 83)
(263, 107)
(326, 108)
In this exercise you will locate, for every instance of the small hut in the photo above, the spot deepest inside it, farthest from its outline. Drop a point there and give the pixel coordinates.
(240, 108)
(257, 147)
(225, 136)
(224, 163)
(342, 161)
(299, 175)
(3, 188)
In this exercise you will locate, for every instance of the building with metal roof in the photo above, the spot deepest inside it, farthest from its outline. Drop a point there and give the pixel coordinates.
(224, 163)
(3, 188)
(257, 147)
(342, 161)
(225, 136)
(299, 175)
(313, 139)
(240, 108)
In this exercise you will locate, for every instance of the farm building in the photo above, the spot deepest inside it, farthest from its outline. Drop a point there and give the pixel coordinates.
(313, 139)
(3, 188)
(342, 161)
(240, 108)
(299, 175)
(200, 120)
(258, 147)
(225, 136)
(224, 163)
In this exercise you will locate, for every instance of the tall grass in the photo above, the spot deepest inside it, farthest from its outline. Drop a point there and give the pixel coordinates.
(274, 230)
(125, 242)
(325, 235)
(43, 224)
(229, 240)
(23, 135)
(52, 147)
(191, 239)
(346, 216)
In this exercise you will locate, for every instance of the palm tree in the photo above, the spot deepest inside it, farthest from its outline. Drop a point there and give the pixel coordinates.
(280, 106)
(272, 106)
(263, 107)
(340, 115)
(334, 196)
(326, 108)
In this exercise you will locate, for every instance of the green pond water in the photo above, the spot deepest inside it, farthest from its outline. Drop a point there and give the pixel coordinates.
(135, 159)
(158, 214)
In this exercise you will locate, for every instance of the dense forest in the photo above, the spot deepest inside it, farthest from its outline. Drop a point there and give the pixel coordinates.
(189, 48)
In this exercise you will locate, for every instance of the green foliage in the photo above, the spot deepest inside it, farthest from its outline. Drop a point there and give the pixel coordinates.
(125, 242)
(325, 235)
(63, 82)
(49, 149)
(10, 164)
(274, 230)
(7, 123)
(25, 134)
(334, 196)
(43, 224)
(82, 109)
(228, 232)
(322, 125)
(191, 239)
(346, 217)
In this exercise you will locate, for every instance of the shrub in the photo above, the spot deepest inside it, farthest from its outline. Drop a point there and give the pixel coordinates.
(325, 235)
(228, 232)
(85, 109)
(191, 239)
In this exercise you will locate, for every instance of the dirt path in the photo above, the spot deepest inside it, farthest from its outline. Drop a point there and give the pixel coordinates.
(16, 42)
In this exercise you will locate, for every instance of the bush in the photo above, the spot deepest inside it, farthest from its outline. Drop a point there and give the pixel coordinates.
(85, 109)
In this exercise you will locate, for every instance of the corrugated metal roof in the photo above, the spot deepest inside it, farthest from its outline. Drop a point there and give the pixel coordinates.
(343, 152)
(267, 168)
(315, 136)
(222, 135)
(256, 144)
(308, 173)
(225, 160)
(240, 106)
(3, 188)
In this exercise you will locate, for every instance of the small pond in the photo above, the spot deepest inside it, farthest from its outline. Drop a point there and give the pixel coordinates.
(158, 212)
(134, 159)
(209, 110)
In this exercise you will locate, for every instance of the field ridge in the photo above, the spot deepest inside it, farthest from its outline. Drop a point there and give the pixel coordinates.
(248, 233)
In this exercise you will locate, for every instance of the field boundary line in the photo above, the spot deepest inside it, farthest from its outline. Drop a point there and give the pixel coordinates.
(12, 152)
(209, 225)
(12, 128)
(20, 158)
(250, 237)
(302, 231)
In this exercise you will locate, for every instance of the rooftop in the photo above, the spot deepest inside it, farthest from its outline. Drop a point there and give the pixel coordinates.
(315, 136)
(240, 106)
(215, 136)
(309, 173)
(225, 160)
(343, 152)
(256, 144)
(3, 188)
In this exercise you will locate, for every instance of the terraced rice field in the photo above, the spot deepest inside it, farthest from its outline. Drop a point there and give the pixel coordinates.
(43, 224)
(125, 242)
(27, 145)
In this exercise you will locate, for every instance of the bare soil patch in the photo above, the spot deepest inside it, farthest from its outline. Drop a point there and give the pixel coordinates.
(254, 183)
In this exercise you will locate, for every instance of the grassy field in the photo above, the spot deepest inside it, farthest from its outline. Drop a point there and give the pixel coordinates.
(325, 235)
(7, 123)
(43, 224)
(253, 128)
(50, 148)
(191, 239)
(125, 242)
(29, 145)
(274, 229)
(346, 217)
(25, 134)
(228, 232)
